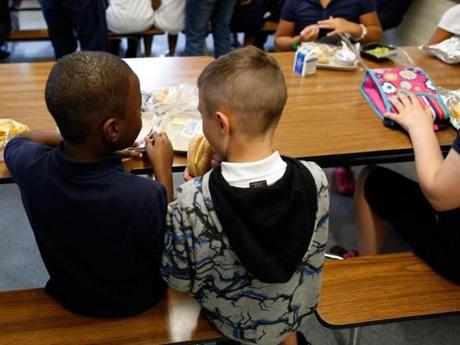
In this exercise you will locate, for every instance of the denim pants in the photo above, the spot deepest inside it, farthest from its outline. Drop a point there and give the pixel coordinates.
(85, 18)
(5, 22)
(198, 15)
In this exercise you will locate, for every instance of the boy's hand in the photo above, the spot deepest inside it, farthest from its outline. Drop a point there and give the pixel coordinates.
(159, 151)
(310, 33)
(411, 114)
(130, 152)
(186, 175)
(215, 161)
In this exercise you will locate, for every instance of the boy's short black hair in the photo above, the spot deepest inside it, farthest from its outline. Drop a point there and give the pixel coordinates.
(84, 89)
(248, 83)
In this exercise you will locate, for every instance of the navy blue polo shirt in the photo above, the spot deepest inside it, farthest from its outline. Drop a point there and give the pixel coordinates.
(307, 12)
(99, 230)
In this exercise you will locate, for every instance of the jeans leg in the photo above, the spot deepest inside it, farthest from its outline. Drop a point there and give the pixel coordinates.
(133, 44)
(59, 27)
(221, 26)
(89, 23)
(5, 22)
(198, 14)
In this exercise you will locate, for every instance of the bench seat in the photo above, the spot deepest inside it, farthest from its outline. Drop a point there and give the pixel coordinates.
(32, 317)
(383, 288)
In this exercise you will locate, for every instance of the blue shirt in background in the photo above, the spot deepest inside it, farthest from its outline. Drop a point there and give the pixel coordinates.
(307, 12)
(99, 230)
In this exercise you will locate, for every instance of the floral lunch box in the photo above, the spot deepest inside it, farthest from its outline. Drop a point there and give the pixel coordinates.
(379, 85)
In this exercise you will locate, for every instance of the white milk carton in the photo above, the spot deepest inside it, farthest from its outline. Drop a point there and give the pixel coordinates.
(305, 61)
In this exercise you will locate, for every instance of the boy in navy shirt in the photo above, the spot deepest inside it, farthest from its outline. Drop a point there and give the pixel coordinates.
(99, 229)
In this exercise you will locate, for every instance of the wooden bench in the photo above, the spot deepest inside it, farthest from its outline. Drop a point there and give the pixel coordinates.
(383, 288)
(43, 35)
(32, 317)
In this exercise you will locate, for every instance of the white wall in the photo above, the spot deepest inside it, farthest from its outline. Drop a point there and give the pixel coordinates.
(419, 23)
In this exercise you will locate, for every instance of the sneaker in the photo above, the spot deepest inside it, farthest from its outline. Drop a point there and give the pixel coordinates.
(342, 252)
(344, 181)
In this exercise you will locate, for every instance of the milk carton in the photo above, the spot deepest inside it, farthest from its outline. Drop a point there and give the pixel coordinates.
(305, 60)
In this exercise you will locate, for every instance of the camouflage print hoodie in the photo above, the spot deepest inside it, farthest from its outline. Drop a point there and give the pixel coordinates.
(256, 271)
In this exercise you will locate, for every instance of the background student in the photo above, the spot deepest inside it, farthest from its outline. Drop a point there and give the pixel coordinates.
(448, 26)
(303, 21)
(426, 214)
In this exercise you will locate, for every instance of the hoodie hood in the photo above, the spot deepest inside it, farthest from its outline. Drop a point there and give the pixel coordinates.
(268, 227)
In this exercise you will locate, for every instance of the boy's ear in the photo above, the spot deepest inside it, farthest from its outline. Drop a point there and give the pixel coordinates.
(223, 122)
(111, 130)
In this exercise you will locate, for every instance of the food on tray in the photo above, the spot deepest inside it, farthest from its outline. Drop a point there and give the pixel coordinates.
(160, 95)
(379, 52)
(172, 110)
(9, 129)
(333, 56)
(174, 94)
(455, 111)
(199, 156)
(452, 99)
(344, 56)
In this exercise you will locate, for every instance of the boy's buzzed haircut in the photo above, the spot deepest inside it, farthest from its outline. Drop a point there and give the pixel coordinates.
(84, 89)
(249, 83)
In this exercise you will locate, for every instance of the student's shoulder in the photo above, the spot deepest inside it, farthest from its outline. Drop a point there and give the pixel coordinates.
(451, 14)
(24, 146)
(189, 194)
(313, 167)
(141, 187)
(318, 174)
(21, 154)
(189, 189)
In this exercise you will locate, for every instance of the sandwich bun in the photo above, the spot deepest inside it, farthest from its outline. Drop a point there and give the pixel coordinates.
(199, 156)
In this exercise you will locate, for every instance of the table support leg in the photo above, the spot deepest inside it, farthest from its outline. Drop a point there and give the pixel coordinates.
(355, 334)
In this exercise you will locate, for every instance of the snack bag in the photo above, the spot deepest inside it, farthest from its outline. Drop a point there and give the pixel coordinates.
(447, 51)
(9, 129)
(379, 85)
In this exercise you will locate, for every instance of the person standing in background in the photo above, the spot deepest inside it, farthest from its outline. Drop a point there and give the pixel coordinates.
(5, 24)
(71, 21)
(198, 15)
(127, 16)
(5, 27)
(391, 12)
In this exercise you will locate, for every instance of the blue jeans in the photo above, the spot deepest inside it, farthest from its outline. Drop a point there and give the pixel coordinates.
(84, 17)
(198, 15)
(5, 22)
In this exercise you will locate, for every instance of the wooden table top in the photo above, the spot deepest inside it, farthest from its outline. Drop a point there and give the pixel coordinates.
(326, 116)
(32, 317)
(376, 289)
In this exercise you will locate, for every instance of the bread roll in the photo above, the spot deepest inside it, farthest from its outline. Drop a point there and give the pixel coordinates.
(199, 156)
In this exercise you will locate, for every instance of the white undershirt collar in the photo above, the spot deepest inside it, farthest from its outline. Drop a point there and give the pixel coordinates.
(242, 175)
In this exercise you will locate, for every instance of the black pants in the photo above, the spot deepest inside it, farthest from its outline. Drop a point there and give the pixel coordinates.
(434, 236)
(84, 17)
(5, 21)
